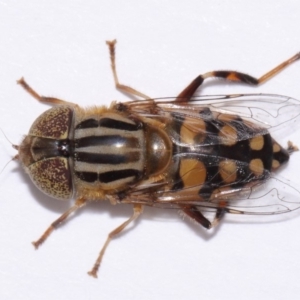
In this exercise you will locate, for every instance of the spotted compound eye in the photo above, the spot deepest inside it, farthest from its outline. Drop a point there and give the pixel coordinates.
(45, 152)
(55, 123)
(53, 177)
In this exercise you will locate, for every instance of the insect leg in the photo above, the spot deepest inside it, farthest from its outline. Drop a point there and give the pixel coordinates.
(43, 99)
(80, 202)
(189, 91)
(219, 215)
(196, 215)
(124, 88)
(137, 210)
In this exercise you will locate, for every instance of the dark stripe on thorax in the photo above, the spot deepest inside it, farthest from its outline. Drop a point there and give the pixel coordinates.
(117, 175)
(117, 124)
(90, 123)
(87, 176)
(109, 123)
(114, 159)
(108, 176)
(107, 140)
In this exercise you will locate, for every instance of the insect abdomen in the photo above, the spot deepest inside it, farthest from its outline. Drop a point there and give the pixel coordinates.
(218, 151)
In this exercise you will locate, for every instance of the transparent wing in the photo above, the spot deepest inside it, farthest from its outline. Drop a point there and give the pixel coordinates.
(266, 112)
(274, 195)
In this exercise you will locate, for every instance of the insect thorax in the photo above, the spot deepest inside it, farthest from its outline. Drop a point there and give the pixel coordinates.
(113, 151)
(109, 152)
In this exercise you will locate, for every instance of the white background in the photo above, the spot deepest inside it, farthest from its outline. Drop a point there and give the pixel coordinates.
(59, 47)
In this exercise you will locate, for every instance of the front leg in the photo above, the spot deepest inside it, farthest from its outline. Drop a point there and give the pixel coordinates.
(43, 99)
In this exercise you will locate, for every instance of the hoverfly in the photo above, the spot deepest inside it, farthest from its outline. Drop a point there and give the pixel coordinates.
(192, 153)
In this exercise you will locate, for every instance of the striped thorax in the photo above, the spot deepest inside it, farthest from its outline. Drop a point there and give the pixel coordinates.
(109, 151)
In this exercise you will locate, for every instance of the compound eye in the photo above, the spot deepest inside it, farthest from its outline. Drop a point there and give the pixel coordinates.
(55, 123)
(53, 177)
